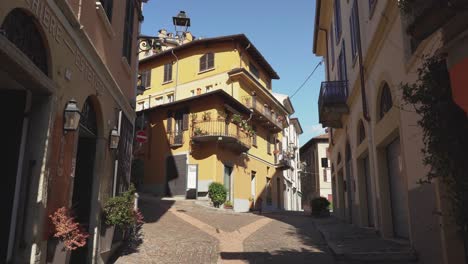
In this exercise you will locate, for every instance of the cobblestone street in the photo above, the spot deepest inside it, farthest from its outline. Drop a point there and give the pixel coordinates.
(185, 232)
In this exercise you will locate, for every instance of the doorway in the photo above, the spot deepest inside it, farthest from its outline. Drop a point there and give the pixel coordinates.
(12, 108)
(253, 187)
(368, 190)
(176, 175)
(227, 182)
(84, 174)
(398, 191)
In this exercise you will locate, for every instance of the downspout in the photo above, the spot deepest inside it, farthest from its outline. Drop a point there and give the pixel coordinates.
(177, 74)
(370, 137)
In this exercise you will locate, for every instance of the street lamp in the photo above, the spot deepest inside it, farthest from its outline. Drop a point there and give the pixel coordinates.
(114, 139)
(181, 23)
(71, 116)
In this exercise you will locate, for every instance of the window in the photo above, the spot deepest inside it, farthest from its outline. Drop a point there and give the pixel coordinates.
(170, 98)
(168, 72)
(208, 88)
(268, 84)
(353, 24)
(372, 4)
(146, 79)
(128, 30)
(159, 100)
(362, 132)
(269, 139)
(207, 62)
(386, 102)
(337, 20)
(332, 48)
(325, 175)
(324, 162)
(342, 74)
(253, 70)
(269, 200)
(108, 4)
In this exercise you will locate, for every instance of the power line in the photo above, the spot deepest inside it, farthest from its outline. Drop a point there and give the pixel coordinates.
(306, 80)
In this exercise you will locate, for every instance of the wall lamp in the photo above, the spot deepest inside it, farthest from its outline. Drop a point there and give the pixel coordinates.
(71, 116)
(114, 138)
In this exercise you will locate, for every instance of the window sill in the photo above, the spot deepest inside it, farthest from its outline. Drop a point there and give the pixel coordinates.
(207, 70)
(104, 19)
(166, 82)
(126, 66)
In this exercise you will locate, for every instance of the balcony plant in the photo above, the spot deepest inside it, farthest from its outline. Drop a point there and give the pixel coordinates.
(206, 116)
(68, 230)
(222, 115)
(199, 132)
(217, 193)
(194, 117)
(276, 151)
(236, 119)
(320, 207)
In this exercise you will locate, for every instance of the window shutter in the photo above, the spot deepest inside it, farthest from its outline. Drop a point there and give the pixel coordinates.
(169, 122)
(210, 60)
(203, 63)
(148, 78)
(185, 121)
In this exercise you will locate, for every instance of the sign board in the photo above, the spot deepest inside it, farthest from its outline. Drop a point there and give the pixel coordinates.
(141, 136)
(192, 176)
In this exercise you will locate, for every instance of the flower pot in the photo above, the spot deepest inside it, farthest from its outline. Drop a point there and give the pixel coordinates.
(56, 251)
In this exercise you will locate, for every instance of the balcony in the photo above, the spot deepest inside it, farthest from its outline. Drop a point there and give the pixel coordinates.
(283, 162)
(264, 114)
(176, 139)
(332, 103)
(427, 16)
(227, 134)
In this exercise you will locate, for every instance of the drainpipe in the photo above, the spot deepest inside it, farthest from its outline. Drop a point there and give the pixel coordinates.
(177, 74)
(370, 137)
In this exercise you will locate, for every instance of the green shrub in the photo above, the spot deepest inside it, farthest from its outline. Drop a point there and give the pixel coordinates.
(319, 205)
(217, 193)
(119, 210)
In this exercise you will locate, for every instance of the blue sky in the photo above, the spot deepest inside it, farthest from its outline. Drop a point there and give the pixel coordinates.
(281, 30)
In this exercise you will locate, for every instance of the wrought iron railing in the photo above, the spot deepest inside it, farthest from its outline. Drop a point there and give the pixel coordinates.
(221, 128)
(333, 92)
(261, 107)
(176, 138)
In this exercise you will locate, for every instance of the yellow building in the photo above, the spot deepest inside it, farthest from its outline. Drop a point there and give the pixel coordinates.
(198, 96)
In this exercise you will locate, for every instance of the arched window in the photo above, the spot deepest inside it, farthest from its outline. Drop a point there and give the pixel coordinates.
(386, 102)
(362, 132)
(21, 30)
(88, 118)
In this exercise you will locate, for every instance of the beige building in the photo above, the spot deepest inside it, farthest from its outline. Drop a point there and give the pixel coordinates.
(375, 143)
(315, 169)
(57, 59)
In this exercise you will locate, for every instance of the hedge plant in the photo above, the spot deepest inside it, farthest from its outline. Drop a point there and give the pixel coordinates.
(217, 193)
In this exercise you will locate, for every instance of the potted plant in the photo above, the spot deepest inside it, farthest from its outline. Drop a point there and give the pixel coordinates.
(197, 131)
(206, 116)
(119, 211)
(236, 119)
(194, 117)
(228, 204)
(320, 207)
(276, 151)
(217, 193)
(222, 115)
(68, 235)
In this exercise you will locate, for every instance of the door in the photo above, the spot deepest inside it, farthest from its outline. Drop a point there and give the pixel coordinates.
(176, 175)
(253, 188)
(227, 181)
(12, 106)
(278, 193)
(368, 187)
(398, 191)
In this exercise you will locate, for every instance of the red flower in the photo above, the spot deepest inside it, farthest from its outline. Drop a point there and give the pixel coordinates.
(68, 230)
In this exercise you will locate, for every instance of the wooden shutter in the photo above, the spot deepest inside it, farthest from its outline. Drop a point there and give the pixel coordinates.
(210, 62)
(203, 63)
(185, 121)
(148, 79)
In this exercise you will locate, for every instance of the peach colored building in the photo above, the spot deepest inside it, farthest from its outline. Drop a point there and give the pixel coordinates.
(57, 58)
(375, 142)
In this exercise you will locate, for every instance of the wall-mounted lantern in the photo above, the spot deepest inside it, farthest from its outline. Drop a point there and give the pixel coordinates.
(71, 116)
(114, 139)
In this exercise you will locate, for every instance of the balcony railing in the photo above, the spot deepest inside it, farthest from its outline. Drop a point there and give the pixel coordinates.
(176, 138)
(219, 130)
(263, 109)
(332, 103)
